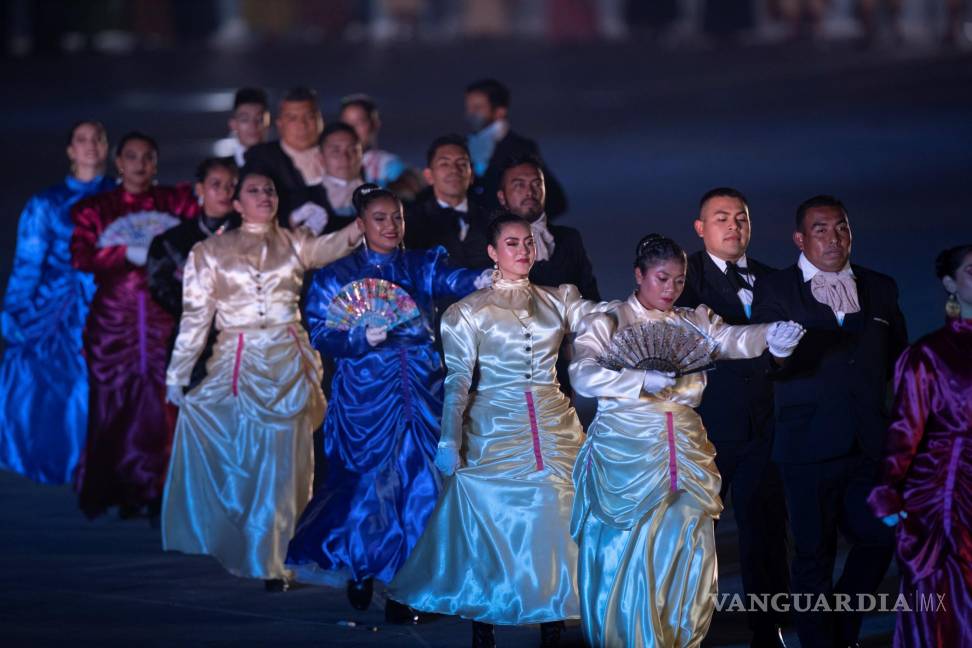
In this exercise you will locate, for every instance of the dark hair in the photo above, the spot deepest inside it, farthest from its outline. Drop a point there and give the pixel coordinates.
(518, 160)
(445, 140)
(211, 163)
(369, 193)
(822, 200)
(362, 101)
(654, 249)
(723, 192)
(497, 93)
(301, 93)
(949, 261)
(501, 220)
(251, 170)
(337, 127)
(250, 96)
(78, 124)
(132, 136)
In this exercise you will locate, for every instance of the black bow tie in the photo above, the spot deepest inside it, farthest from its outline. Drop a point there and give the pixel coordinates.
(736, 278)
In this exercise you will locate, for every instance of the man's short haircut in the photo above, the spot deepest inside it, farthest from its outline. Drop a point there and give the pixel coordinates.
(497, 93)
(337, 127)
(518, 160)
(451, 139)
(723, 192)
(362, 101)
(250, 96)
(301, 94)
(822, 200)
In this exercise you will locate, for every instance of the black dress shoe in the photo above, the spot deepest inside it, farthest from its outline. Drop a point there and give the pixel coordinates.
(400, 614)
(276, 585)
(483, 635)
(550, 634)
(360, 592)
(768, 638)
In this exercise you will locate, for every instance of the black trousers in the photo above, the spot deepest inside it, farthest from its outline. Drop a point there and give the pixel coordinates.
(825, 498)
(759, 507)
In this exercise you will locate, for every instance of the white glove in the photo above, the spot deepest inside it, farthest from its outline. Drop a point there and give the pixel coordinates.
(375, 335)
(136, 255)
(656, 381)
(446, 459)
(783, 338)
(175, 395)
(484, 280)
(311, 216)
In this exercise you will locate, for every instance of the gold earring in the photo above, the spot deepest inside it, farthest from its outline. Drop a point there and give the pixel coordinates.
(497, 273)
(952, 307)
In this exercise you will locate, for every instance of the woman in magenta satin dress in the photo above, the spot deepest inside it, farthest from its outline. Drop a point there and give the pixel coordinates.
(925, 487)
(126, 338)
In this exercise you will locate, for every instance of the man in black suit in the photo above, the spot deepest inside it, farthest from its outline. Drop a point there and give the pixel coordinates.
(294, 161)
(492, 142)
(442, 214)
(831, 413)
(737, 408)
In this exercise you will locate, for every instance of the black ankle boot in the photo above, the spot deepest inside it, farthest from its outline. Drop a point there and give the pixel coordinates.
(359, 593)
(400, 614)
(483, 635)
(550, 634)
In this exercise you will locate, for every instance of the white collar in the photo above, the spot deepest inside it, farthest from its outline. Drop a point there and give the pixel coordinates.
(810, 271)
(462, 207)
(334, 180)
(497, 130)
(742, 263)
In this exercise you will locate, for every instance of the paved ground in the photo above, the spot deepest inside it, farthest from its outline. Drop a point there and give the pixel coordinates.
(635, 134)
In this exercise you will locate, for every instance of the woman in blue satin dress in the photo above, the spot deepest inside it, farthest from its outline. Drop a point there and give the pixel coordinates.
(43, 379)
(382, 423)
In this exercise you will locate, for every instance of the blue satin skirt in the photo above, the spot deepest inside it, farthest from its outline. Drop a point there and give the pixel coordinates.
(380, 436)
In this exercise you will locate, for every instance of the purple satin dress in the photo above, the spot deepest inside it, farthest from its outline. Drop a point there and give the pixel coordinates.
(126, 339)
(927, 472)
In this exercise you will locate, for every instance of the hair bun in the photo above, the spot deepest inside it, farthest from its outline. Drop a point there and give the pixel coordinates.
(357, 198)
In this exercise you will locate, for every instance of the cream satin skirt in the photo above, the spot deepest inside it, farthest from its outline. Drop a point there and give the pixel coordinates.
(243, 457)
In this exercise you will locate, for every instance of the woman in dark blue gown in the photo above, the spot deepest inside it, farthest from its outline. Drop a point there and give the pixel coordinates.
(382, 423)
(43, 379)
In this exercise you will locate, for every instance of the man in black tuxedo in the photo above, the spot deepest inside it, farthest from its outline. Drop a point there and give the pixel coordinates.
(294, 161)
(737, 407)
(442, 214)
(831, 412)
(492, 142)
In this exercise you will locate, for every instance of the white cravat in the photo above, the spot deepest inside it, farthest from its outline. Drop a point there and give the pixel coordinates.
(308, 163)
(542, 237)
(810, 271)
(462, 208)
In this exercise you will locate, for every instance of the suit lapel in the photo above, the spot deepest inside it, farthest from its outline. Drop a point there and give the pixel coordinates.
(715, 282)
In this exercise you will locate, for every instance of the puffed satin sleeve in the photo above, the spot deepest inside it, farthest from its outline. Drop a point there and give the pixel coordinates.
(459, 345)
(590, 379)
(915, 388)
(85, 253)
(735, 342)
(318, 251)
(198, 308)
(448, 281)
(331, 342)
(576, 308)
(28, 265)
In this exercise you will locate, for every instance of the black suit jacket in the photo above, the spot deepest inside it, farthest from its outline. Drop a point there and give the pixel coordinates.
(427, 225)
(271, 158)
(568, 264)
(738, 401)
(832, 393)
(512, 145)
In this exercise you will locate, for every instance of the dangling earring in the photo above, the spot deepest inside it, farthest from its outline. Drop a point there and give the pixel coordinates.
(200, 201)
(953, 309)
(497, 274)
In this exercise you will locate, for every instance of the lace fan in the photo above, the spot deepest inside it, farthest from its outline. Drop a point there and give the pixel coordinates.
(659, 346)
(137, 229)
(370, 302)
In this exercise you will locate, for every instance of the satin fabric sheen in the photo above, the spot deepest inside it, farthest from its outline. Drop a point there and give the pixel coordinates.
(125, 342)
(648, 489)
(927, 472)
(43, 378)
(497, 547)
(382, 425)
(243, 458)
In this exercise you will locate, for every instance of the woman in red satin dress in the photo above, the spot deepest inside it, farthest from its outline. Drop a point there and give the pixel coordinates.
(925, 487)
(125, 341)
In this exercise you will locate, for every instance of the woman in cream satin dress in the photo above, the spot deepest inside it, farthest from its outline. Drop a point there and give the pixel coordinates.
(497, 548)
(647, 484)
(242, 459)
